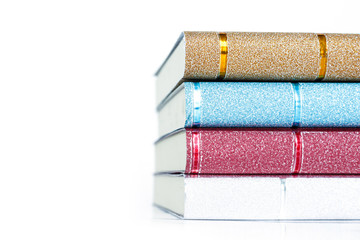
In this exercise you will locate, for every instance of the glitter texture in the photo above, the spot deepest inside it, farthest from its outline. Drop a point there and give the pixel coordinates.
(272, 56)
(330, 104)
(230, 104)
(331, 151)
(266, 197)
(262, 104)
(226, 151)
(273, 151)
(202, 55)
(261, 197)
(322, 197)
(232, 198)
(343, 57)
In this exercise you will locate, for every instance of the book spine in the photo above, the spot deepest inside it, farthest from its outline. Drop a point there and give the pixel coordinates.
(272, 56)
(272, 197)
(273, 151)
(270, 104)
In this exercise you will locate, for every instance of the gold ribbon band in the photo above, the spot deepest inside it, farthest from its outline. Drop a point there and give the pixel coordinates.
(323, 57)
(223, 55)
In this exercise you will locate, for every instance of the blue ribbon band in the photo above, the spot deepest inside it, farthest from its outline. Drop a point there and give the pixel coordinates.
(297, 105)
(197, 105)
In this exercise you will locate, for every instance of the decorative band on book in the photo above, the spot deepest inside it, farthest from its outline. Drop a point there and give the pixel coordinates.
(297, 151)
(297, 105)
(195, 151)
(197, 105)
(223, 55)
(282, 197)
(323, 57)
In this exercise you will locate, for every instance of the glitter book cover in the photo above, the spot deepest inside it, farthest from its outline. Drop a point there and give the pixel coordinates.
(260, 197)
(273, 151)
(269, 104)
(272, 56)
(261, 57)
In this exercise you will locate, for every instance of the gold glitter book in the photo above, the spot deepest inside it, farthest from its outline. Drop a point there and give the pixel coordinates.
(251, 56)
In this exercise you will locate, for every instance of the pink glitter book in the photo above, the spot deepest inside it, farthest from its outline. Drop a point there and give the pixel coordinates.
(259, 151)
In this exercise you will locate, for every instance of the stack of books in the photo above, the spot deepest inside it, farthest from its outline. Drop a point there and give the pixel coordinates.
(259, 126)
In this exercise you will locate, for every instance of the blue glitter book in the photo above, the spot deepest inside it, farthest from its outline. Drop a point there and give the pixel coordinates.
(260, 104)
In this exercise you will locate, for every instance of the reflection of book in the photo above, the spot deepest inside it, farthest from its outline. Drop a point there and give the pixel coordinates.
(204, 56)
(259, 197)
(261, 104)
(259, 151)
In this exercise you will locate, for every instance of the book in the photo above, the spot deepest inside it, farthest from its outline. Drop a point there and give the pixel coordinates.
(259, 197)
(260, 104)
(259, 151)
(251, 56)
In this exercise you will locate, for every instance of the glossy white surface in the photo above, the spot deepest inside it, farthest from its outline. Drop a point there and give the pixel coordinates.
(196, 229)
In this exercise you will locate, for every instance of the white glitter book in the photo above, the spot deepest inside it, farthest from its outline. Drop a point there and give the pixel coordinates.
(259, 197)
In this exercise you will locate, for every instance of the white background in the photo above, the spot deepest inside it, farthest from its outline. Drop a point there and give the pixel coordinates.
(77, 112)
